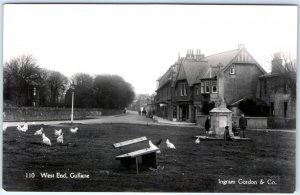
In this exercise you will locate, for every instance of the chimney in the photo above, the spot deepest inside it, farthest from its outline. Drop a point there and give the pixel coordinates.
(199, 56)
(277, 65)
(190, 54)
(241, 46)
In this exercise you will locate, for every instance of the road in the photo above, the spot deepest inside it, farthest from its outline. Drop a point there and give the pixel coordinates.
(130, 117)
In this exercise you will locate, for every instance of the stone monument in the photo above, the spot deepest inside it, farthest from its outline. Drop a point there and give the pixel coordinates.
(220, 116)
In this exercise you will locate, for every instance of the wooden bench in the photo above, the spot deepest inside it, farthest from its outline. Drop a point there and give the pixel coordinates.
(148, 155)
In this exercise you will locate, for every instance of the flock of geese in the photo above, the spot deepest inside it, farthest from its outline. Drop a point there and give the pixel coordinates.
(45, 140)
(60, 139)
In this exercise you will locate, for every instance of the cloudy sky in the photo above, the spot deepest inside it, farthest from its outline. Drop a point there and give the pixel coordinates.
(140, 42)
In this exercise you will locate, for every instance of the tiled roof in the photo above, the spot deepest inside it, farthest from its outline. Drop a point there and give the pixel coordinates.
(165, 78)
(223, 58)
(194, 69)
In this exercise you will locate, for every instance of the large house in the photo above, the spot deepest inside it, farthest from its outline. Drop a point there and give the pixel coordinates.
(278, 88)
(190, 87)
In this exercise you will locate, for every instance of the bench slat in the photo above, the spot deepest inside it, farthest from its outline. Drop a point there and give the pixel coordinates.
(128, 142)
(137, 153)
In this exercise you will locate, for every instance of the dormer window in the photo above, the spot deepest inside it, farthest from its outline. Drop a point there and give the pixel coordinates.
(232, 69)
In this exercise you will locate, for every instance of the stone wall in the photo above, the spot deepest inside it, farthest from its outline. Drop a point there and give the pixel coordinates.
(258, 122)
(47, 113)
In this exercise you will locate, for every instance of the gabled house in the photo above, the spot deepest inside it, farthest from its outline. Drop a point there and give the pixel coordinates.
(195, 80)
(278, 88)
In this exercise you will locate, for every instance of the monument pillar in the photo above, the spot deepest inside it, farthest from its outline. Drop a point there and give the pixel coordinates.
(220, 115)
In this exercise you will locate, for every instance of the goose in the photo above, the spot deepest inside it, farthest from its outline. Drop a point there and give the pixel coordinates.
(4, 128)
(46, 140)
(74, 130)
(170, 145)
(60, 138)
(19, 128)
(39, 132)
(24, 128)
(197, 141)
(57, 132)
(152, 146)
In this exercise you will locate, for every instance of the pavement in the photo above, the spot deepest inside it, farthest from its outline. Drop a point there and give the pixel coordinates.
(131, 117)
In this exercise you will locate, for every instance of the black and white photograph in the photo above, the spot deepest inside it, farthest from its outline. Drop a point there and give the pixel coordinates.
(153, 97)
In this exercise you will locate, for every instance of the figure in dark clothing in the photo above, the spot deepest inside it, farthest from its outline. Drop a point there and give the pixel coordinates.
(243, 124)
(207, 125)
(140, 112)
(226, 134)
(235, 129)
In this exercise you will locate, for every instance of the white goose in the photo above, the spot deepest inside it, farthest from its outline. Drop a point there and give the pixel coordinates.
(46, 140)
(4, 128)
(60, 139)
(170, 145)
(152, 146)
(57, 132)
(74, 130)
(39, 132)
(197, 141)
(24, 128)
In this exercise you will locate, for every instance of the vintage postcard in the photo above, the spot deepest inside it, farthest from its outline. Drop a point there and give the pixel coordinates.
(149, 98)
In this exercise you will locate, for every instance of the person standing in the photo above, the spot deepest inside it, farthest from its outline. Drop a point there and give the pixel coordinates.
(226, 134)
(207, 125)
(243, 124)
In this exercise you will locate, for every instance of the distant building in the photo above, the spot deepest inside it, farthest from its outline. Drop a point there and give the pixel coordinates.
(278, 89)
(190, 87)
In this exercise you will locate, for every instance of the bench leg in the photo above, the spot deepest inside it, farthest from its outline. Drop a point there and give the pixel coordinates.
(137, 165)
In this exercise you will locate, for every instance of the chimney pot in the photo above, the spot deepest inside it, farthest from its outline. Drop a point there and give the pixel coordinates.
(241, 46)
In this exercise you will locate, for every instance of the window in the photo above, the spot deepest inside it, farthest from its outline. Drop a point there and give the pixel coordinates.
(265, 87)
(202, 87)
(207, 87)
(175, 91)
(197, 91)
(214, 87)
(232, 69)
(184, 89)
(272, 109)
(285, 109)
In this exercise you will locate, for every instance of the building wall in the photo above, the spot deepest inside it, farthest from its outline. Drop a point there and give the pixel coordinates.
(242, 84)
(271, 90)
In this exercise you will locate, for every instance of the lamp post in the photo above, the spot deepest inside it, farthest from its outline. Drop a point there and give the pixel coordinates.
(34, 94)
(72, 109)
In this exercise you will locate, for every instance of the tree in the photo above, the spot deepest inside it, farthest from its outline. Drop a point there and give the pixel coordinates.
(289, 74)
(56, 84)
(112, 91)
(84, 91)
(21, 74)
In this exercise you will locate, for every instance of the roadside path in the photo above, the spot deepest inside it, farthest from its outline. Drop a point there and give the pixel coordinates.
(131, 117)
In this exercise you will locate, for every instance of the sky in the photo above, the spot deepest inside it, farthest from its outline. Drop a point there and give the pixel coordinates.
(140, 42)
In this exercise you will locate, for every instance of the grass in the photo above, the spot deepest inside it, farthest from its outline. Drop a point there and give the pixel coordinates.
(189, 168)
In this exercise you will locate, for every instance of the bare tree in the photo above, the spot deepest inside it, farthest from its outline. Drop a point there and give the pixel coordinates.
(20, 74)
